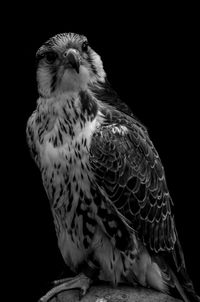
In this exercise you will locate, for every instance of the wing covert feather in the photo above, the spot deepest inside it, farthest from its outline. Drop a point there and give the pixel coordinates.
(128, 169)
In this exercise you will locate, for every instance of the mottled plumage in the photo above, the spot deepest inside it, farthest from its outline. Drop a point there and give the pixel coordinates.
(106, 185)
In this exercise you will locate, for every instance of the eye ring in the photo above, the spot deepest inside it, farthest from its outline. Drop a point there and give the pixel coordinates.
(50, 57)
(84, 46)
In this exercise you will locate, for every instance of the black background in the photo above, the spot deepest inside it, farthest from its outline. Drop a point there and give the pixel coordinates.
(149, 57)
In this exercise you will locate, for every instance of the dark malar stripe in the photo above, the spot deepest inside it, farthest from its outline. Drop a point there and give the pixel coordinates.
(54, 79)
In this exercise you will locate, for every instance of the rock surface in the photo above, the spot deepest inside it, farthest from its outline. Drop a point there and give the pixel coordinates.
(109, 294)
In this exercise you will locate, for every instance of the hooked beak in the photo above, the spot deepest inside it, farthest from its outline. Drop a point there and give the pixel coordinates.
(72, 59)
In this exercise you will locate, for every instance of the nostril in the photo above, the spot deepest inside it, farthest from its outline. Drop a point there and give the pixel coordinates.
(65, 54)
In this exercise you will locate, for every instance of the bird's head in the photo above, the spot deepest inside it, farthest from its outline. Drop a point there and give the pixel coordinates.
(67, 63)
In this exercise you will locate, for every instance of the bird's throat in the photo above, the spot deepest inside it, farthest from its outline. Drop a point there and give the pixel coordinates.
(65, 117)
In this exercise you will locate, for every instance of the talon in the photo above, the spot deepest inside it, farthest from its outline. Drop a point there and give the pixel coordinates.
(57, 282)
(82, 292)
(80, 281)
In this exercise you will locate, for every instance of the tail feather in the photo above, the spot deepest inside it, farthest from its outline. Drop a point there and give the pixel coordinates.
(181, 272)
(179, 283)
(178, 287)
(188, 285)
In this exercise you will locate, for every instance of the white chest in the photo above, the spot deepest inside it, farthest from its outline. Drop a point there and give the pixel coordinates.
(67, 178)
(67, 163)
(73, 154)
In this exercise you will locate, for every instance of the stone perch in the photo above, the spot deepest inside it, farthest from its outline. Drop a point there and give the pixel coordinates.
(119, 294)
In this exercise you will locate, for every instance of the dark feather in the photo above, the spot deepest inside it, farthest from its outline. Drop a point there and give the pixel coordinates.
(139, 172)
(137, 188)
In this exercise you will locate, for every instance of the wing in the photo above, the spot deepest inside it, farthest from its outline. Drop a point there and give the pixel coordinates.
(129, 171)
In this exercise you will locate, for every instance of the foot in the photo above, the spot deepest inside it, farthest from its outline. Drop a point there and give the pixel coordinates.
(80, 281)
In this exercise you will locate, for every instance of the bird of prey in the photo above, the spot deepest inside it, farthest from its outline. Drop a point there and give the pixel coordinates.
(104, 179)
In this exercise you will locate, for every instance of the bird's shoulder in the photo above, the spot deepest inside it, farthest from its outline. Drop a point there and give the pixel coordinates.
(127, 167)
(122, 132)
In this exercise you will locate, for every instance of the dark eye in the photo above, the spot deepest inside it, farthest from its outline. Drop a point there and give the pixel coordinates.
(50, 57)
(85, 46)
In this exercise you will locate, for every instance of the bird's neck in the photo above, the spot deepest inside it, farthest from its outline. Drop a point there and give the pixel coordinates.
(77, 107)
(70, 113)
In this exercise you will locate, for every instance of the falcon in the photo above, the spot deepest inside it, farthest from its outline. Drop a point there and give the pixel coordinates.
(105, 182)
